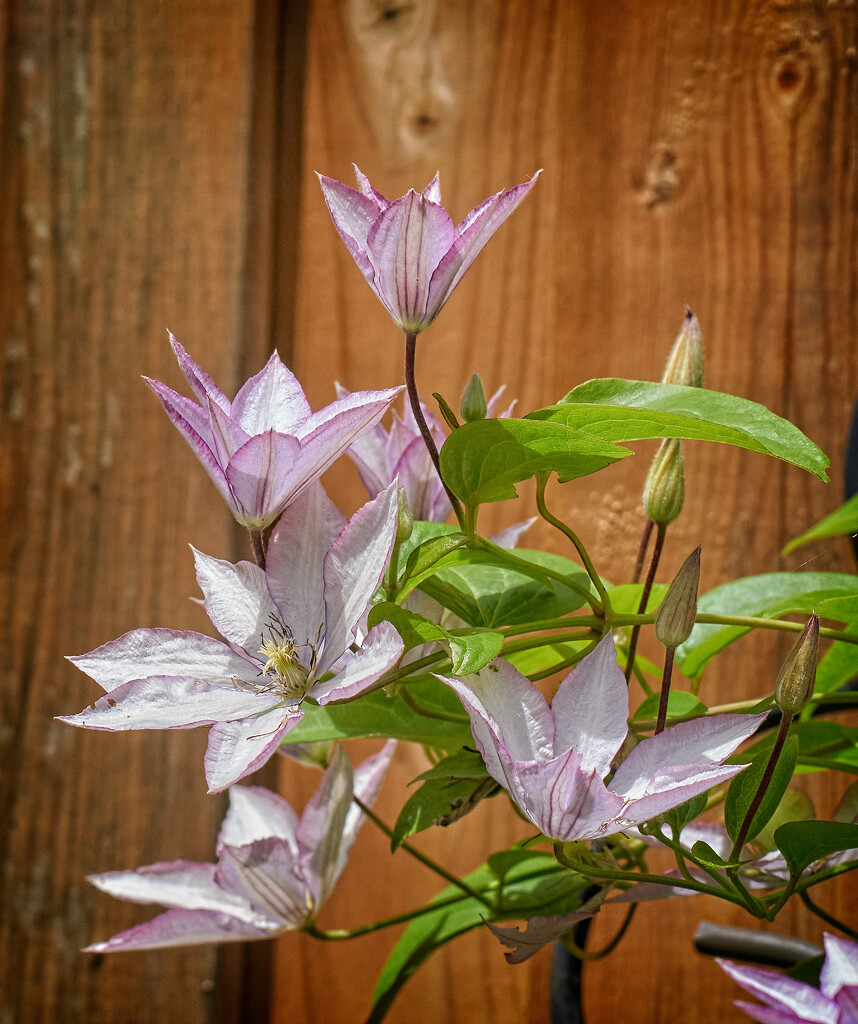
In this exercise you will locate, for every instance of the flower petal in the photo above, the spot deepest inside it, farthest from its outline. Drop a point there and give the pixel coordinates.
(271, 400)
(367, 190)
(368, 777)
(352, 212)
(803, 1001)
(238, 748)
(320, 832)
(169, 702)
(226, 434)
(265, 873)
(381, 650)
(841, 965)
(405, 245)
(160, 652)
(427, 498)
(181, 928)
(257, 813)
(237, 600)
(671, 787)
(432, 192)
(470, 237)
(591, 709)
(353, 570)
(200, 382)
(351, 415)
(368, 452)
(702, 741)
(295, 561)
(261, 477)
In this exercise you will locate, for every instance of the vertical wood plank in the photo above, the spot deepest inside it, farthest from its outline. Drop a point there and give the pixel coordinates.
(125, 147)
(692, 153)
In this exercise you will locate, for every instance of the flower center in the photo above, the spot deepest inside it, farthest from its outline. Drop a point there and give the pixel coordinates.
(288, 675)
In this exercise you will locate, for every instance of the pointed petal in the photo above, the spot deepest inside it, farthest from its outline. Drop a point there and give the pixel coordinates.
(257, 813)
(591, 709)
(841, 965)
(295, 560)
(381, 650)
(271, 400)
(353, 570)
(511, 535)
(432, 192)
(169, 702)
(564, 801)
(160, 652)
(200, 382)
(179, 411)
(185, 413)
(353, 213)
(470, 237)
(320, 833)
(671, 787)
(350, 415)
(266, 874)
(704, 741)
(405, 245)
(181, 928)
(427, 498)
(238, 748)
(368, 777)
(368, 452)
(367, 190)
(180, 883)
(511, 707)
(260, 476)
(226, 434)
(767, 1015)
(236, 598)
(783, 993)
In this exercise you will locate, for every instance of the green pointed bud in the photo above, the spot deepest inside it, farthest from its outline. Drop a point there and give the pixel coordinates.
(664, 490)
(847, 809)
(446, 411)
(674, 619)
(685, 362)
(404, 518)
(473, 405)
(795, 683)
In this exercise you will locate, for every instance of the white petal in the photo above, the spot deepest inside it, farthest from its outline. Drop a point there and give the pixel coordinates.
(238, 748)
(236, 598)
(183, 928)
(256, 813)
(381, 650)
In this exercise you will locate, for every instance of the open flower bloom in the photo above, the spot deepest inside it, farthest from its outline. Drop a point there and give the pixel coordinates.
(263, 449)
(553, 760)
(409, 250)
(381, 456)
(288, 633)
(273, 873)
(793, 1002)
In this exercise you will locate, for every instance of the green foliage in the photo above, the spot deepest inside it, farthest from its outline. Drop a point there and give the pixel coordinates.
(631, 410)
(803, 842)
(842, 520)
(680, 705)
(745, 785)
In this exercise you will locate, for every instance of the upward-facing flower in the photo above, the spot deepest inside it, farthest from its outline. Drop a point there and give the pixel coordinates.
(793, 1002)
(553, 760)
(409, 250)
(273, 872)
(266, 446)
(288, 632)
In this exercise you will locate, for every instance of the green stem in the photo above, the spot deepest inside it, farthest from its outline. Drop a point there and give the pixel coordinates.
(587, 956)
(422, 857)
(338, 934)
(442, 716)
(595, 578)
(647, 589)
(814, 908)
(428, 440)
(644, 544)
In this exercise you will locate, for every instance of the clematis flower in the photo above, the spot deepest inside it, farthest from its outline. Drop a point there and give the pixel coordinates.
(381, 455)
(273, 872)
(553, 760)
(288, 632)
(409, 250)
(787, 1001)
(263, 449)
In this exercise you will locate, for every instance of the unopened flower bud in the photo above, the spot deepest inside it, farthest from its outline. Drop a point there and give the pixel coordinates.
(473, 405)
(664, 490)
(674, 619)
(404, 518)
(685, 362)
(797, 677)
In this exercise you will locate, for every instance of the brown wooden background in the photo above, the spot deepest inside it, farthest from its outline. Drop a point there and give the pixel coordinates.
(156, 171)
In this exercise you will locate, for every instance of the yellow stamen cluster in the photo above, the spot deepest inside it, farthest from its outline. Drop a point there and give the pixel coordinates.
(290, 676)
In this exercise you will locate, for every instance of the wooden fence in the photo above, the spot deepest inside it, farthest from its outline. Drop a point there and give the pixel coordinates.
(157, 172)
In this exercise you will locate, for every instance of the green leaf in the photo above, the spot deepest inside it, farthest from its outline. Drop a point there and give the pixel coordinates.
(685, 813)
(744, 788)
(413, 628)
(539, 660)
(424, 559)
(803, 842)
(482, 462)
(843, 520)
(449, 790)
(473, 650)
(705, 855)
(680, 704)
(767, 596)
(839, 664)
(626, 598)
(382, 714)
(484, 593)
(794, 806)
(629, 410)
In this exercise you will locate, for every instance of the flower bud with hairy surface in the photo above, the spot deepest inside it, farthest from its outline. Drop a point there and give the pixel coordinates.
(674, 619)
(474, 406)
(685, 362)
(797, 677)
(664, 490)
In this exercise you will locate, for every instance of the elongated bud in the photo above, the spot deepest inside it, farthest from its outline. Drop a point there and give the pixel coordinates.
(674, 619)
(797, 677)
(404, 517)
(685, 362)
(474, 406)
(664, 489)
(446, 411)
